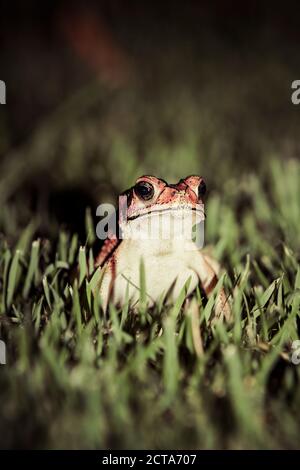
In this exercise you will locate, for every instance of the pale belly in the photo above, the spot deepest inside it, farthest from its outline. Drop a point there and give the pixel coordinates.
(166, 272)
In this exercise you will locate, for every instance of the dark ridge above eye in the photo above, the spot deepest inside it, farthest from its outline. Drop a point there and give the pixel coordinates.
(201, 189)
(144, 190)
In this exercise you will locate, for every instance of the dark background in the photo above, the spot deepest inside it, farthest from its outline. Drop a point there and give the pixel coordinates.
(97, 95)
(101, 92)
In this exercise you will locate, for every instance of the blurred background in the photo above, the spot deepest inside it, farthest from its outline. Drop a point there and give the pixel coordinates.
(101, 92)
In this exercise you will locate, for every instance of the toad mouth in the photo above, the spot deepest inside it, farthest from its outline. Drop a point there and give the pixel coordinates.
(165, 210)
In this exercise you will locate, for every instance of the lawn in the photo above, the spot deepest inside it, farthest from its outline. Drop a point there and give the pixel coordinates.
(164, 377)
(160, 378)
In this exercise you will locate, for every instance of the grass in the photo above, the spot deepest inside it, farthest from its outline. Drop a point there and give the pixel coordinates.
(164, 378)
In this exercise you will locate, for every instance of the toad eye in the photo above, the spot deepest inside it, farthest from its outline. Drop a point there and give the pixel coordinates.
(144, 190)
(201, 189)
